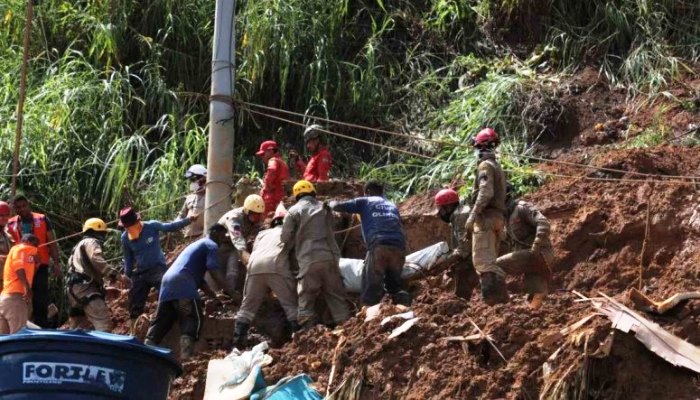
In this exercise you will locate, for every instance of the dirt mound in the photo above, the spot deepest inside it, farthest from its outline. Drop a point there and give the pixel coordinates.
(420, 204)
(598, 231)
(190, 385)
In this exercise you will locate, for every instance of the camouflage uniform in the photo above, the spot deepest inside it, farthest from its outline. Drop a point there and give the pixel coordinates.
(488, 223)
(525, 224)
(488, 215)
(466, 278)
(239, 229)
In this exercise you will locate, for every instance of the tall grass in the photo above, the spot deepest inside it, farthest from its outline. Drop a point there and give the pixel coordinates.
(117, 90)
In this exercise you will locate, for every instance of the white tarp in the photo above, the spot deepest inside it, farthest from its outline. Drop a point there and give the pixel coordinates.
(416, 263)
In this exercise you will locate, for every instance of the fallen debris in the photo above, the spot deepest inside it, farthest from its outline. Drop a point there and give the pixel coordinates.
(644, 303)
(403, 328)
(666, 345)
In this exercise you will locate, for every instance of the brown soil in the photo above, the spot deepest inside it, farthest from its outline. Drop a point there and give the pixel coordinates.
(598, 229)
(598, 233)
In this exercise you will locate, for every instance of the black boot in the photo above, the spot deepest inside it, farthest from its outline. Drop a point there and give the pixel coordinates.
(294, 325)
(240, 334)
(493, 289)
(402, 297)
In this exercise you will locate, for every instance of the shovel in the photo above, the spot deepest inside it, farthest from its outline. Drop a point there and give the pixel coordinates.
(644, 303)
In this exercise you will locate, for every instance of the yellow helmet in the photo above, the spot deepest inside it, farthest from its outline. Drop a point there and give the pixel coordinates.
(303, 187)
(95, 224)
(254, 203)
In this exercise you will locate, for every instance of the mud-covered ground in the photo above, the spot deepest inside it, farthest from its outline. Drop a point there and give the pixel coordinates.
(599, 220)
(598, 230)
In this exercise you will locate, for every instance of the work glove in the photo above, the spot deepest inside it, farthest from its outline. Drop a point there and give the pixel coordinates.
(331, 204)
(537, 245)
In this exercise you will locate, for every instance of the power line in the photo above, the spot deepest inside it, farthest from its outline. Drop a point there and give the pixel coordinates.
(447, 143)
(589, 178)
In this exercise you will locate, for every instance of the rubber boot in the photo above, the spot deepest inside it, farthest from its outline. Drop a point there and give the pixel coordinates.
(186, 347)
(240, 334)
(493, 289)
(307, 323)
(466, 280)
(403, 298)
(295, 326)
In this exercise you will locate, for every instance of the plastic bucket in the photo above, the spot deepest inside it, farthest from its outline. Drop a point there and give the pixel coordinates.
(78, 365)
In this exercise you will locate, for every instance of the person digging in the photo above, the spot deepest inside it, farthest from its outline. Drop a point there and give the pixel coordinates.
(269, 269)
(179, 297)
(531, 249)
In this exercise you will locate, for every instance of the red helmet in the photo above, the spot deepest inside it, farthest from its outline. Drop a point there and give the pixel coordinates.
(4, 208)
(486, 137)
(445, 197)
(266, 145)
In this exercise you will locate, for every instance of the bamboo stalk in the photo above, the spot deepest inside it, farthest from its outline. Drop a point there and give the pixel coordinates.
(22, 93)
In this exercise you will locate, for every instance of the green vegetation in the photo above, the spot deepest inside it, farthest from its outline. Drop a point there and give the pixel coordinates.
(117, 104)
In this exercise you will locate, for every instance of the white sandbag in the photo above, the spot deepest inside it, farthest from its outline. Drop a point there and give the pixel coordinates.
(422, 260)
(417, 263)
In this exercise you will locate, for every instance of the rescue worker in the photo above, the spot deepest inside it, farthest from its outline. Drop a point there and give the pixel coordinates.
(319, 164)
(194, 202)
(454, 212)
(178, 298)
(531, 249)
(18, 273)
(241, 223)
(385, 239)
(308, 229)
(86, 269)
(144, 261)
(6, 240)
(486, 220)
(268, 270)
(276, 173)
(25, 221)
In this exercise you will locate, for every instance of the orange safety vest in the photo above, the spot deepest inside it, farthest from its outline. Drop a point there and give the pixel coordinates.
(40, 230)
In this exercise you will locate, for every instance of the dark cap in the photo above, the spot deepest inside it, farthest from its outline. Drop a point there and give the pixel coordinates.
(128, 217)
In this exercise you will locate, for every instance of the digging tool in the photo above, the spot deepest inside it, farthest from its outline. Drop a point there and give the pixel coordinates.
(644, 303)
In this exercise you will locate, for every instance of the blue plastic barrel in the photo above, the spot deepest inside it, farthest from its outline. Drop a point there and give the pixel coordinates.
(79, 365)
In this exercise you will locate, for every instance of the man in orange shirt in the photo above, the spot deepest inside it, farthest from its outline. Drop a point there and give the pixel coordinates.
(276, 174)
(17, 291)
(40, 226)
(319, 165)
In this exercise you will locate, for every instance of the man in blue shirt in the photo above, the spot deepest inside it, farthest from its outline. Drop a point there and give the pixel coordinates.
(179, 299)
(144, 261)
(386, 244)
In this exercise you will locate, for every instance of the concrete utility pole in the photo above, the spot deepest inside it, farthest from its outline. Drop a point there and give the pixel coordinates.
(220, 154)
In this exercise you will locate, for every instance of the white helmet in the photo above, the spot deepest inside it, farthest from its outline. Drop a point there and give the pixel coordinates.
(254, 203)
(197, 169)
